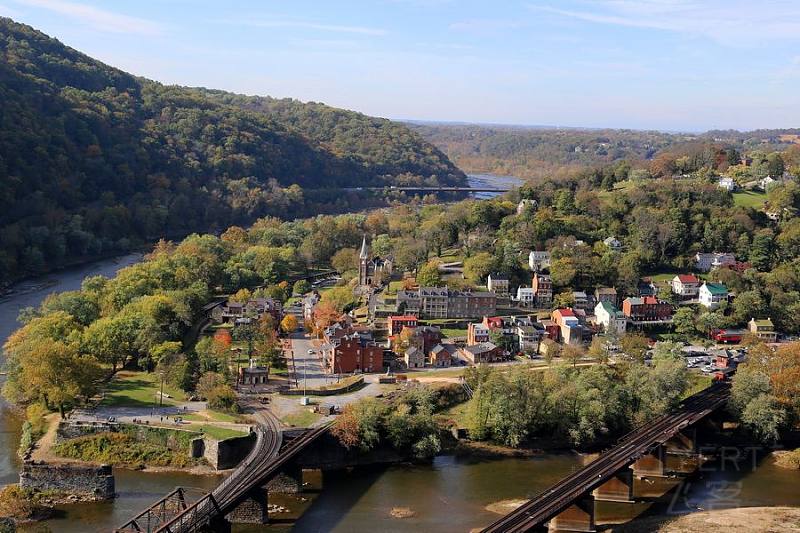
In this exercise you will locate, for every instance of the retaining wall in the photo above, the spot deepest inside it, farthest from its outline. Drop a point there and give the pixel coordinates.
(89, 482)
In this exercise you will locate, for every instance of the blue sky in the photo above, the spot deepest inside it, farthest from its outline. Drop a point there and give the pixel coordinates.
(648, 64)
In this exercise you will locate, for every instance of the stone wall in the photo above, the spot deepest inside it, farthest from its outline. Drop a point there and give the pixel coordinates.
(89, 482)
(223, 454)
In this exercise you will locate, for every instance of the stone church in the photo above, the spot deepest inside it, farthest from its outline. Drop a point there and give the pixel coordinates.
(372, 271)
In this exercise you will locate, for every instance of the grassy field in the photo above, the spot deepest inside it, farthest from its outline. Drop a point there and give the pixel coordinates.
(449, 373)
(301, 418)
(454, 332)
(752, 199)
(697, 382)
(139, 389)
(216, 432)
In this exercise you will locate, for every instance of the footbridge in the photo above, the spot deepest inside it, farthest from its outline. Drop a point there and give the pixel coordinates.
(241, 497)
(569, 504)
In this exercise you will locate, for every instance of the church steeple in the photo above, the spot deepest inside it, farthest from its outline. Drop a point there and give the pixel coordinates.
(364, 249)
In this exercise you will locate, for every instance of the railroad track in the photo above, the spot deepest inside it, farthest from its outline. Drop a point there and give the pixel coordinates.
(259, 466)
(631, 447)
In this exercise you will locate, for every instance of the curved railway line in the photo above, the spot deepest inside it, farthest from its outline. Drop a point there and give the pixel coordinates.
(631, 447)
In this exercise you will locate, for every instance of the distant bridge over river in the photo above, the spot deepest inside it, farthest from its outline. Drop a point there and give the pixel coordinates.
(391, 188)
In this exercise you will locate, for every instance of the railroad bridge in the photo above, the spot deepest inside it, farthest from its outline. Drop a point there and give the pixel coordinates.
(242, 496)
(569, 504)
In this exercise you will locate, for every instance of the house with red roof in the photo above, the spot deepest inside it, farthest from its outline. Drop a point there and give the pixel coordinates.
(686, 286)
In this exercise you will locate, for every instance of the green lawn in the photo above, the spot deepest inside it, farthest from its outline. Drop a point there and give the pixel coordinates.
(454, 332)
(138, 389)
(216, 432)
(697, 382)
(302, 419)
(752, 199)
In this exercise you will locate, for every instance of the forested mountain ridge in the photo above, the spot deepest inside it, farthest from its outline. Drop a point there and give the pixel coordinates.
(541, 152)
(94, 160)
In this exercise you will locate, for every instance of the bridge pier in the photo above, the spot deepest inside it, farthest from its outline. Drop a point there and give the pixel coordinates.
(577, 517)
(252, 509)
(683, 443)
(654, 464)
(289, 481)
(617, 489)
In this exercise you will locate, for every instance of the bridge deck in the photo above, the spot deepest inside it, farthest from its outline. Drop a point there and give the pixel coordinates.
(536, 512)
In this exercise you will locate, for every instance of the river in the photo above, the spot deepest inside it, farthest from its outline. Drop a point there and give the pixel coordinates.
(450, 494)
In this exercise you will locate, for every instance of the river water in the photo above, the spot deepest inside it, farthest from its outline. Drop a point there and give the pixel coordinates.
(451, 494)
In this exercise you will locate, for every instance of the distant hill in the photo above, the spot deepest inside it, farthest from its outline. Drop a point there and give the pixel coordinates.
(540, 151)
(94, 160)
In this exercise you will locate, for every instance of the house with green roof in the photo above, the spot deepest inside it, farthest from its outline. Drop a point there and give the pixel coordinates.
(763, 329)
(711, 295)
(611, 318)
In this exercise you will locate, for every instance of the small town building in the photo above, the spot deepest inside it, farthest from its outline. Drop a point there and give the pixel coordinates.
(646, 287)
(732, 336)
(606, 294)
(580, 299)
(352, 353)
(397, 323)
(526, 296)
(727, 183)
(254, 374)
(647, 309)
(477, 333)
(706, 262)
(612, 319)
(543, 289)
(763, 329)
(440, 357)
(498, 284)
(686, 286)
(441, 302)
(414, 358)
(539, 260)
(485, 352)
(711, 295)
(613, 244)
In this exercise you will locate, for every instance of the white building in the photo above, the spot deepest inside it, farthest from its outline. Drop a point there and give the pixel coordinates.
(708, 261)
(539, 259)
(685, 285)
(763, 183)
(711, 295)
(526, 296)
(728, 184)
(498, 284)
(611, 318)
(613, 244)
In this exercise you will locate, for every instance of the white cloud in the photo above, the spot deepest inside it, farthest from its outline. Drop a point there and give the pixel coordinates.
(305, 25)
(730, 22)
(96, 18)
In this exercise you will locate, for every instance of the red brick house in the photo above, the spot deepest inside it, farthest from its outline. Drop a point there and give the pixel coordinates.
(352, 353)
(398, 322)
(647, 309)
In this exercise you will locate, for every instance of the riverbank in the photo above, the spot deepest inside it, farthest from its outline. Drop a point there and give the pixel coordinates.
(741, 520)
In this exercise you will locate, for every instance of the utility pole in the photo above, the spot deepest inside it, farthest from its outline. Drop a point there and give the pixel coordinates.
(161, 394)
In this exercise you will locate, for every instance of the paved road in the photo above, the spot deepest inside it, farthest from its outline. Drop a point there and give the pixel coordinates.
(308, 367)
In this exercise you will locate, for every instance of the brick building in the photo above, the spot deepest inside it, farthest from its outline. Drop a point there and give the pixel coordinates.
(647, 309)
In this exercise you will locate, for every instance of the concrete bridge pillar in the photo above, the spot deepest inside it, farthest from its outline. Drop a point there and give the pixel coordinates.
(617, 489)
(252, 510)
(577, 517)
